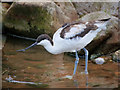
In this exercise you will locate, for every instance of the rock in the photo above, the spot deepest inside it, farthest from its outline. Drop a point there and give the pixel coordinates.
(95, 16)
(6, 5)
(84, 8)
(99, 60)
(106, 41)
(2, 41)
(2, 9)
(34, 18)
(116, 56)
(110, 8)
(93, 56)
(66, 7)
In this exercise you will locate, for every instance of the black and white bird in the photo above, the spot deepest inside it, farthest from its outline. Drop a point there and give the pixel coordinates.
(72, 37)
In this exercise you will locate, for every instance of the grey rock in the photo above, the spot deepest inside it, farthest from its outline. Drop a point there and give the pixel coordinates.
(34, 18)
(84, 8)
(116, 56)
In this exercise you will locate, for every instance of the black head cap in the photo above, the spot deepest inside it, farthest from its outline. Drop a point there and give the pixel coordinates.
(43, 37)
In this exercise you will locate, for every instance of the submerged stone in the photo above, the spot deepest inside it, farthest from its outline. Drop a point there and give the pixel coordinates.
(99, 60)
(68, 77)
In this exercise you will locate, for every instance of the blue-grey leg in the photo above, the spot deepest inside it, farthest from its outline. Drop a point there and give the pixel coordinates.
(86, 60)
(76, 62)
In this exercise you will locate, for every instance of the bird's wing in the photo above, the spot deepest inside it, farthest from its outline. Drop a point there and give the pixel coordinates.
(77, 30)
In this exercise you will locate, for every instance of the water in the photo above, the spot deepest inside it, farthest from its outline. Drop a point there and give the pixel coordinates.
(36, 65)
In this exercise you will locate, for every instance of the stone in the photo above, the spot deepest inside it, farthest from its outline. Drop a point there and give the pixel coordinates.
(110, 8)
(6, 5)
(34, 18)
(116, 56)
(101, 59)
(84, 8)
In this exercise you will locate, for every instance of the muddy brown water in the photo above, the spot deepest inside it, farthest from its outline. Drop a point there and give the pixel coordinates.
(39, 66)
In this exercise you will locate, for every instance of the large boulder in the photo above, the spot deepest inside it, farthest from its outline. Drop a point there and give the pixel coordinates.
(106, 41)
(34, 18)
(84, 8)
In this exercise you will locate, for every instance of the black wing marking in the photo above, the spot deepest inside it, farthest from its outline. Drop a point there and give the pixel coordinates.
(78, 33)
(105, 19)
(67, 27)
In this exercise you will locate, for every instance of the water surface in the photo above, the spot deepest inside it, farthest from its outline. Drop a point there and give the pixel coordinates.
(38, 66)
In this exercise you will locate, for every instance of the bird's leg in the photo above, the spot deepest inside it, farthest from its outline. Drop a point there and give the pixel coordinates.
(76, 62)
(86, 60)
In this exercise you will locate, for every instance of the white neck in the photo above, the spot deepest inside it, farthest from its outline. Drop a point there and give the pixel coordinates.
(48, 46)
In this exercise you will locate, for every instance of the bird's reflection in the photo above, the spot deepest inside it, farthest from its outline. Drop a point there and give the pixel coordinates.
(76, 83)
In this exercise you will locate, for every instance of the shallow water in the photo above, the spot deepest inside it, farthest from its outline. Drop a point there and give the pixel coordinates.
(38, 66)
